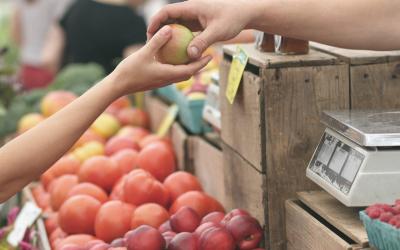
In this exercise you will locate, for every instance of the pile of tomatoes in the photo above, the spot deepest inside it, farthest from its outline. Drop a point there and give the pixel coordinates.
(116, 178)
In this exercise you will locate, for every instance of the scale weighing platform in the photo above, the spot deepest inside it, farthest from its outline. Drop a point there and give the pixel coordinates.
(358, 158)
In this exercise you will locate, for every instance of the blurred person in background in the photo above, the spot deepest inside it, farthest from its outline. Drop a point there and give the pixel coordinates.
(99, 31)
(30, 24)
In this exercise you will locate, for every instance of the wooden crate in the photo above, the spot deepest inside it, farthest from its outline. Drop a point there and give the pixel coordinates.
(318, 221)
(157, 110)
(206, 162)
(374, 76)
(274, 121)
(244, 184)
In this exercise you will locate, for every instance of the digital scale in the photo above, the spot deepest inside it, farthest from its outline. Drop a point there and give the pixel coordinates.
(358, 158)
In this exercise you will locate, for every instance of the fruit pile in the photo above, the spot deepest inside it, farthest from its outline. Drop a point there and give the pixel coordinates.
(117, 188)
(385, 213)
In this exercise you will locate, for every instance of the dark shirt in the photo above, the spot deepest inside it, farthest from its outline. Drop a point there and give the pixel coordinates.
(99, 32)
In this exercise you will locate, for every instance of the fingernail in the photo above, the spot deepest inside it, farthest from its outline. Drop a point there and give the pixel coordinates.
(165, 30)
(194, 51)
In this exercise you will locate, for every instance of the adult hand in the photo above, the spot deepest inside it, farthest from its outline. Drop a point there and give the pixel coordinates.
(141, 71)
(218, 20)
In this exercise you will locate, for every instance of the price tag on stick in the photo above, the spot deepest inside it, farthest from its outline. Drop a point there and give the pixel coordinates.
(236, 71)
(168, 120)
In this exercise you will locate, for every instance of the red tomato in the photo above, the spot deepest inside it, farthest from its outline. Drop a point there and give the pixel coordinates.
(154, 138)
(100, 170)
(46, 178)
(41, 197)
(134, 117)
(113, 220)
(150, 214)
(198, 201)
(126, 160)
(77, 214)
(140, 187)
(181, 182)
(118, 143)
(59, 191)
(51, 223)
(135, 133)
(118, 190)
(89, 189)
(158, 159)
(66, 165)
(77, 239)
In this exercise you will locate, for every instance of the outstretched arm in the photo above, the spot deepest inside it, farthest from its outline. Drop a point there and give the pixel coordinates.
(26, 157)
(361, 24)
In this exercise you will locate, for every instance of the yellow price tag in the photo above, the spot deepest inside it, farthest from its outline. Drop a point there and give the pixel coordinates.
(236, 71)
(168, 120)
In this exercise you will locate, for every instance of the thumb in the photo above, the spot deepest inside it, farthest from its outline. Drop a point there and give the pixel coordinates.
(202, 41)
(159, 39)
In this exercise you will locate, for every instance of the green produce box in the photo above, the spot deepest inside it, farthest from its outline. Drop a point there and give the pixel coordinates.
(168, 93)
(381, 235)
(190, 111)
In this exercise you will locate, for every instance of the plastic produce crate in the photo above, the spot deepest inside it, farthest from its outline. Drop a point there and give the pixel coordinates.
(190, 111)
(381, 235)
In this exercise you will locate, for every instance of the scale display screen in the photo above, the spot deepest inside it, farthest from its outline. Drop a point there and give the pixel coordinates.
(336, 162)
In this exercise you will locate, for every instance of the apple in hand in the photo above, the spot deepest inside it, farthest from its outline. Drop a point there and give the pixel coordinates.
(175, 50)
(246, 231)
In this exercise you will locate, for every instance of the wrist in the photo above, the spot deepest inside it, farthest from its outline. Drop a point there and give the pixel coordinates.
(256, 12)
(113, 85)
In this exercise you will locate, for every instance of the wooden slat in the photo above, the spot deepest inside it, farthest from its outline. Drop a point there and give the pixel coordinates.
(359, 57)
(179, 141)
(156, 109)
(341, 217)
(375, 86)
(273, 60)
(304, 232)
(244, 185)
(294, 101)
(241, 122)
(207, 164)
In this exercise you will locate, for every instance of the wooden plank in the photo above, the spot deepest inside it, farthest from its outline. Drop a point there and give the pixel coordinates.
(244, 185)
(358, 57)
(207, 164)
(179, 140)
(241, 122)
(294, 101)
(304, 232)
(156, 109)
(375, 86)
(274, 60)
(343, 218)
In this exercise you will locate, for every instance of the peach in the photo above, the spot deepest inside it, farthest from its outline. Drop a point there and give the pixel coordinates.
(135, 133)
(88, 150)
(54, 101)
(126, 160)
(150, 214)
(175, 50)
(29, 121)
(106, 125)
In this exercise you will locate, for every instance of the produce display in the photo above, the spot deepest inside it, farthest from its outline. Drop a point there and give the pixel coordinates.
(118, 188)
(386, 213)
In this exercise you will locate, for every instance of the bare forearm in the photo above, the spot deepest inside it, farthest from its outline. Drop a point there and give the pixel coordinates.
(27, 156)
(358, 24)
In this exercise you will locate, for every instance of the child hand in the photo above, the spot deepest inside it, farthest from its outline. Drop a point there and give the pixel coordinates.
(141, 71)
